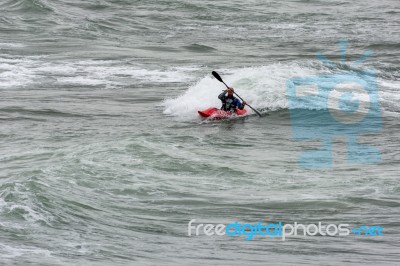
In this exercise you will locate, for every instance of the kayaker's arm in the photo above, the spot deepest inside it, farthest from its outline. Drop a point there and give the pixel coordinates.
(240, 105)
(222, 96)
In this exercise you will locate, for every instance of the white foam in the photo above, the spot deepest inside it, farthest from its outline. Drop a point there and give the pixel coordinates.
(262, 87)
(11, 45)
(29, 214)
(117, 75)
(84, 81)
(9, 252)
(24, 71)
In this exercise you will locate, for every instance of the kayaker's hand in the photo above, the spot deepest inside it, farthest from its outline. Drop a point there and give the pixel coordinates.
(244, 103)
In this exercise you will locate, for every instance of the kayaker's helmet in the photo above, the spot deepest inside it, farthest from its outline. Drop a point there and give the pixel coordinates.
(230, 91)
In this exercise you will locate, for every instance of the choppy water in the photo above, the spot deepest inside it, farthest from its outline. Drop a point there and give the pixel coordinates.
(104, 161)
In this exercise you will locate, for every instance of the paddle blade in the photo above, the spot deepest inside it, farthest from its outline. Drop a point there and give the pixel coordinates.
(215, 74)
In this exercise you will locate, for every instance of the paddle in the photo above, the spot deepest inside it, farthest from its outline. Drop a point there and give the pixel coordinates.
(217, 76)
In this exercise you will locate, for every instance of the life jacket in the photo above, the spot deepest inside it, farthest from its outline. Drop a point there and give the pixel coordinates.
(229, 104)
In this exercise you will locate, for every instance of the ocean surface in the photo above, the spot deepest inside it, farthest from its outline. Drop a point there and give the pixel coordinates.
(104, 160)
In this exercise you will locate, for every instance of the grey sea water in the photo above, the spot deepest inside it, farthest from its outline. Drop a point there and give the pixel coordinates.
(103, 160)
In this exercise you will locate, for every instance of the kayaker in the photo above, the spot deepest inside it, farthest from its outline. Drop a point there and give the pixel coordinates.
(230, 102)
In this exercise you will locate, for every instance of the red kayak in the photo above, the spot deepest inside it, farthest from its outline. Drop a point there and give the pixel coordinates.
(220, 114)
